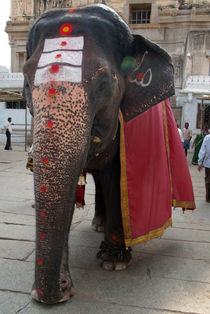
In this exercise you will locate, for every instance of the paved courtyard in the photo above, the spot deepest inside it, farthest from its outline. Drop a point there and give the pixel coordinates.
(170, 274)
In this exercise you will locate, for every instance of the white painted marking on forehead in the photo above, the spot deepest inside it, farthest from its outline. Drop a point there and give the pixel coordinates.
(64, 43)
(65, 74)
(70, 57)
(58, 47)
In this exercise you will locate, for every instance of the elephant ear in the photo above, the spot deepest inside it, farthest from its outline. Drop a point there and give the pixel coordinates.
(150, 77)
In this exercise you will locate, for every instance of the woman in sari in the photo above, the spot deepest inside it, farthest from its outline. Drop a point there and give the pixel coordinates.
(198, 142)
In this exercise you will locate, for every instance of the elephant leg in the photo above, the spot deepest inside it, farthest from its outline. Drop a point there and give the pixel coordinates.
(113, 254)
(98, 221)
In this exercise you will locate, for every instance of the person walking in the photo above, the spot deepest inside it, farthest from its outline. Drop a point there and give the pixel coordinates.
(197, 143)
(204, 161)
(8, 128)
(187, 134)
(180, 134)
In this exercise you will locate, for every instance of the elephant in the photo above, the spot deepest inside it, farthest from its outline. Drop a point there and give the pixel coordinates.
(83, 66)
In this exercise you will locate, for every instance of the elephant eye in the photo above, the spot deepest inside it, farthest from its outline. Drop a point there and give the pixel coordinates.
(102, 86)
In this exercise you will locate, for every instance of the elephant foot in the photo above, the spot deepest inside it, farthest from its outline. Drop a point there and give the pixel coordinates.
(111, 257)
(98, 224)
(65, 293)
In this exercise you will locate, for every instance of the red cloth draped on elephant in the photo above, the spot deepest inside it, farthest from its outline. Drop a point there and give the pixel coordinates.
(153, 165)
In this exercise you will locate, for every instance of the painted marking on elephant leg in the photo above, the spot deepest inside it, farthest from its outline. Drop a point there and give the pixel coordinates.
(128, 113)
(42, 235)
(42, 214)
(39, 291)
(40, 261)
(114, 238)
(43, 188)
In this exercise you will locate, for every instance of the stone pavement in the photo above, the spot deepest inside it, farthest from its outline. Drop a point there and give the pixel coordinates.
(169, 275)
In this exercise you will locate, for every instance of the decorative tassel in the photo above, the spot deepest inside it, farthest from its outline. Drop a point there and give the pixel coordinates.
(29, 164)
(80, 194)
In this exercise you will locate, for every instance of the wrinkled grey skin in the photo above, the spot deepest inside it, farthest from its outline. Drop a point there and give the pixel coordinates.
(67, 124)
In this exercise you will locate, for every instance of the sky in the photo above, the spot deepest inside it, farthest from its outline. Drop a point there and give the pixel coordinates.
(4, 48)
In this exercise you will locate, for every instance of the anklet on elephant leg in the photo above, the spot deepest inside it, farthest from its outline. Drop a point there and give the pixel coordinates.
(109, 251)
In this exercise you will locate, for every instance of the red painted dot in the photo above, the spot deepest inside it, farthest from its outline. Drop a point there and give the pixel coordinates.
(39, 291)
(42, 235)
(51, 92)
(127, 115)
(63, 43)
(58, 56)
(45, 160)
(42, 214)
(54, 68)
(49, 124)
(72, 10)
(43, 189)
(40, 261)
(66, 29)
(140, 76)
(114, 238)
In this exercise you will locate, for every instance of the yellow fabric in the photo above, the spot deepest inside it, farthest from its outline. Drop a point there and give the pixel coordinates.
(123, 183)
(149, 236)
(183, 204)
(167, 144)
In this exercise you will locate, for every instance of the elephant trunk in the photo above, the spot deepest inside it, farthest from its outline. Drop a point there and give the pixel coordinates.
(61, 139)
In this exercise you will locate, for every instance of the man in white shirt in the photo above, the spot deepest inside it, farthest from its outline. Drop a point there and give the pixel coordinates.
(187, 135)
(204, 161)
(8, 127)
(180, 134)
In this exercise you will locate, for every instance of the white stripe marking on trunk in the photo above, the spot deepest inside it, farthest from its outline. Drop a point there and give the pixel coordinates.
(65, 74)
(70, 57)
(72, 43)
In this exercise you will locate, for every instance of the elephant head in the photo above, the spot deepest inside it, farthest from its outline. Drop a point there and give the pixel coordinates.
(82, 66)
